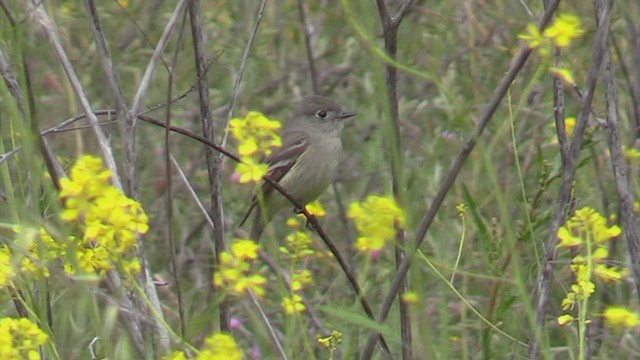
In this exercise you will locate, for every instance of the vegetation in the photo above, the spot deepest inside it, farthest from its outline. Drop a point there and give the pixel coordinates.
(484, 209)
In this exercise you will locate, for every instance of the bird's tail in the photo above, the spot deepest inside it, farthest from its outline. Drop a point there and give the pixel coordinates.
(261, 219)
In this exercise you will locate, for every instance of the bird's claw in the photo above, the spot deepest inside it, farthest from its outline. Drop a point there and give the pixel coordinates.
(311, 223)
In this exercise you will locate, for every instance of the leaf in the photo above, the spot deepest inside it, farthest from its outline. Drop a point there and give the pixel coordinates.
(361, 320)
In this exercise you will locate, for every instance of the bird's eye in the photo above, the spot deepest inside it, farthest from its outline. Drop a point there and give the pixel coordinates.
(321, 114)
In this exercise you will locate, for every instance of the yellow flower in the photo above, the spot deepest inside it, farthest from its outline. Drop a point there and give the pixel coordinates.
(109, 220)
(588, 222)
(410, 297)
(565, 319)
(569, 125)
(618, 316)
(251, 171)
(256, 134)
(299, 279)
(566, 76)
(610, 273)
(233, 269)
(238, 127)
(298, 246)
(6, 268)
(293, 304)
(605, 233)
(245, 249)
(632, 154)
(566, 28)
(254, 283)
(20, 339)
(370, 243)
(332, 341)
(601, 253)
(533, 37)
(583, 289)
(220, 346)
(567, 239)
(375, 219)
(569, 301)
(132, 266)
(462, 209)
(248, 147)
(316, 209)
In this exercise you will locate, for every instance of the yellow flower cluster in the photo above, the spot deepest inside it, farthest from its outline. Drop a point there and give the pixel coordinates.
(566, 28)
(588, 227)
(20, 339)
(6, 267)
(375, 219)
(108, 220)
(108, 223)
(582, 289)
(298, 247)
(586, 224)
(29, 255)
(632, 154)
(37, 249)
(331, 342)
(618, 316)
(233, 270)
(219, 346)
(256, 135)
(293, 304)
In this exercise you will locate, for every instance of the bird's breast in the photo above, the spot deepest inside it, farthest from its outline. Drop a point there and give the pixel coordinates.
(315, 170)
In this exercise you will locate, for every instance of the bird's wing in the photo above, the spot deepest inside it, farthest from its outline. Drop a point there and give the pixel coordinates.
(280, 162)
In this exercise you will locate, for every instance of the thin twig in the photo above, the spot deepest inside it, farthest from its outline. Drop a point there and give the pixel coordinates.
(145, 277)
(214, 161)
(307, 45)
(570, 166)
(390, 26)
(51, 162)
(516, 65)
(633, 41)
(153, 62)
(11, 81)
(39, 13)
(127, 127)
(270, 327)
(168, 177)
(620, 169)
(243, 65)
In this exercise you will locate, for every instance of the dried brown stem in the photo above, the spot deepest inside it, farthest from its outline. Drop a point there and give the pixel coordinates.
(214, 161)
(564, 197)
(390, 26)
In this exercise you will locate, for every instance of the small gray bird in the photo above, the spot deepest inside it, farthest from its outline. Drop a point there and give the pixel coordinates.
(307, 161)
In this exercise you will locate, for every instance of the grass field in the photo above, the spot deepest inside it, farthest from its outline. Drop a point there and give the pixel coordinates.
(484, 206)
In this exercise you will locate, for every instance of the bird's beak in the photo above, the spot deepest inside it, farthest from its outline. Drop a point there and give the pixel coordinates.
(347, 114)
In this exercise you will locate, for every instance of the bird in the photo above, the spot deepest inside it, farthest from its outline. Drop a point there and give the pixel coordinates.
(306, 163)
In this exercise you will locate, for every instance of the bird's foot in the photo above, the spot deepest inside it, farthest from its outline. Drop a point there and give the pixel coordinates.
(312, 223)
